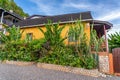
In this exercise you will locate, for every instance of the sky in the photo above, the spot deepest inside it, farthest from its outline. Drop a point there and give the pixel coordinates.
(106, 10)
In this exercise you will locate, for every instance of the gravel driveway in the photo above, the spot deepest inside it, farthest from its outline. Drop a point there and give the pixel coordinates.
(13, 72)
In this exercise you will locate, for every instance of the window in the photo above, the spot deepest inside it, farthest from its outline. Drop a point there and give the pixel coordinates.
(29, 36)
(71, 37)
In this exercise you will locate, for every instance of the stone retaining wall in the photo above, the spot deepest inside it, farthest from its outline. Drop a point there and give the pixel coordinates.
(93, 72)
(104, 62)
(19, 63)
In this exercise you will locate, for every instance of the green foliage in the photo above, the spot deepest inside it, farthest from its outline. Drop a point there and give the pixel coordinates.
(37, 43)
(36, 48)
(67, 56)
(114, 40)
(77, 31)
(14, 48)
(52, 33)
(82, 45)
(50, 49)
(20, 50)
(62, 56)
(13, 35)
(3, 55)
(95, 41)
(88, 61)
(11, 5)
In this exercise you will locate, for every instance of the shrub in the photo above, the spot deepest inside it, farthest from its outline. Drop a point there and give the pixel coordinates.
(16, 49)
(20, 50)
(62, 56)
(50, 49)
(88, 62)
(3, 55)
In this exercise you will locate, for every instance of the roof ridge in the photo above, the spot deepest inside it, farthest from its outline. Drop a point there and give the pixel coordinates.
(73, 13)
(57, 18)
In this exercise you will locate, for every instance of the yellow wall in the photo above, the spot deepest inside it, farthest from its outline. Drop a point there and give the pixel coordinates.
(37, 34)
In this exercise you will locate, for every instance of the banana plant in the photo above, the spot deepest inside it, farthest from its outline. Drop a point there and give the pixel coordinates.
(114, 40)
(53, 33)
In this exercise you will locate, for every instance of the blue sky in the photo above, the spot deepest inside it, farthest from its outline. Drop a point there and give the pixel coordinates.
(106, 10)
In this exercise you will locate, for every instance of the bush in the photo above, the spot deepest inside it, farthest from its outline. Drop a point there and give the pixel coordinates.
(61, 56)
(15, 51)
(37, 43)
(88, 62)
(48, 50)
(21, 50)
(3, 55)
(64, 56)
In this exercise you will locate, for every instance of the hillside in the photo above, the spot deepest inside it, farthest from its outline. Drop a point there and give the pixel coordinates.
(11, 5)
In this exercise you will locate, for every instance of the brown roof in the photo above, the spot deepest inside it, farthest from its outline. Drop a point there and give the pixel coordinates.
(58, 18)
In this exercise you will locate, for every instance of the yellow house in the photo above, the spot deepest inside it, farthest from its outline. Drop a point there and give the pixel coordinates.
(31, 24)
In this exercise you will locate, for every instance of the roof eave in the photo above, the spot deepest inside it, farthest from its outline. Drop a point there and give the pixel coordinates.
(102, 23)
(12, 14)
(86, 20)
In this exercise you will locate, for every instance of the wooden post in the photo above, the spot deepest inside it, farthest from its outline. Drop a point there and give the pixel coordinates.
(106, 41)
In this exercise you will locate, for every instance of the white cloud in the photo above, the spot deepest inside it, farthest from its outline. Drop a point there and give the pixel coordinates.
(82, 5)
(74, 5)
(100, 11)
(115, 28)
(43, 7)
(109, 16)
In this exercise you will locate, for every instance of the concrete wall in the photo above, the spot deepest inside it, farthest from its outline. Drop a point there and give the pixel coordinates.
(37, 34)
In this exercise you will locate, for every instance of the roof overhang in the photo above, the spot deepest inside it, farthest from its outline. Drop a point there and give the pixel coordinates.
(98, 23)
(9, 13)
(99, 26)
